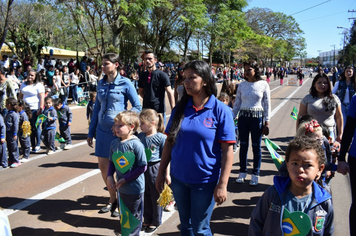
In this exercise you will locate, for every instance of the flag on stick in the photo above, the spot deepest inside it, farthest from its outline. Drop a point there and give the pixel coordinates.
(59, 138)
(128, 221)
(294, 113)
(272, 148)
(40, 119)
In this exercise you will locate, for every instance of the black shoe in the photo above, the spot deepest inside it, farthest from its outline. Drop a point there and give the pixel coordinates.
(151, 229)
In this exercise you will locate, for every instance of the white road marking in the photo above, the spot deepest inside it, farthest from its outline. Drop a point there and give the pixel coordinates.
(19, 206)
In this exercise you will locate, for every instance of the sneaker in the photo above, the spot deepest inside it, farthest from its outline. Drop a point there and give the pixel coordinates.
(24, 160)
(50, 152)
(254, 180)
(170, 206)
(67, 146)
(15, 164)
(61, 146)
(241, 178)
(37, 149)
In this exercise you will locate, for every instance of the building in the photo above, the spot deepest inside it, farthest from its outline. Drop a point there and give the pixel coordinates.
(329, 58)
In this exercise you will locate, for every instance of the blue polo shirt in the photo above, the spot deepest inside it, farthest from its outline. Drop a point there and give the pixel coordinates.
(352, 113)
(196, 154)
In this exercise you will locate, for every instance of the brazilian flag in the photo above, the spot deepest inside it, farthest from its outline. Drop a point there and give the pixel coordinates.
(59, 138)
(128, 221)
(272, 148)
(83, 103)
(294, 113)
(40, 119)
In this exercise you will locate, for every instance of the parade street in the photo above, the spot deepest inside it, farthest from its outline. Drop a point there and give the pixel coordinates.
(61, 194)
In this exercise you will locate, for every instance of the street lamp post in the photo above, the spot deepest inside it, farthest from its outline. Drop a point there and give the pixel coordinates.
(343, 49)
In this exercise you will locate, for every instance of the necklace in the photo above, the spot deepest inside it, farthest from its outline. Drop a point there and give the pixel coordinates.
(307, 202)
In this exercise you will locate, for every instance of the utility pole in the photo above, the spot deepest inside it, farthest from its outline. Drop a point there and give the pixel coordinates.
(334, 55)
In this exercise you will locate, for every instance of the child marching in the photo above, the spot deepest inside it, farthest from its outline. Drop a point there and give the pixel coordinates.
(12, 128)
(49, 126)
(65, 117)
(24, 129)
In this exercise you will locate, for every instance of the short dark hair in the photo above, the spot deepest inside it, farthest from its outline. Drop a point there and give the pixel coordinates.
(150, 51)
(57, 102)
(304, 143)
(48, 98)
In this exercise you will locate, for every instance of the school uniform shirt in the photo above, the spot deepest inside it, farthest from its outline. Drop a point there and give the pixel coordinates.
(65, 115)
(12, 123)
(134, 147)
(267, 216)
(196, 154)
(50, 124)
(153, 145)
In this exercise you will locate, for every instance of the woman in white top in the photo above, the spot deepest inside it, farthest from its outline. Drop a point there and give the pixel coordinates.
(253, 106)
(57, 81)
(74, 78)
(345, 89)
(92, 80)
(32, 91)
(15, 81)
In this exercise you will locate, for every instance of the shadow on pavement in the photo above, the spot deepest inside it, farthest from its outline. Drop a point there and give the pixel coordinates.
(41, 232)
(79, 136)
(73, 164)
(74, 213)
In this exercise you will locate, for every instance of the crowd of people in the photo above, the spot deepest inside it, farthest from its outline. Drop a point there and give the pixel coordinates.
(201, 131)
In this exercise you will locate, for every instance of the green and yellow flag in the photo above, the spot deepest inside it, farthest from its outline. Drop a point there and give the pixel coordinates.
(294, 113)
(272, 148)
(83, 103)
(59, 138)
(128, 221)
(40, 119)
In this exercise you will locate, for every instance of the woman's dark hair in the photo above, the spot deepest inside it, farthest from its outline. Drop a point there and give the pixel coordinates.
(113, 58)
(328, 100)
(26, 108)
(254, 65)
(12, 102)
(38, 77)
(180, 78)
(353, 78)
(204, 71)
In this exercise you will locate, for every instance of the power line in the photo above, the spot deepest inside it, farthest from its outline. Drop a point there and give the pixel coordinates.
(322, 17)
(311, 7)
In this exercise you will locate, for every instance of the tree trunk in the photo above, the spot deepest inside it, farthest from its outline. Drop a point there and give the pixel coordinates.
(6, 23)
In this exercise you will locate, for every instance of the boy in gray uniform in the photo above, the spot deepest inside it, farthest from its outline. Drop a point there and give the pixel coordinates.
(49, 126)
(65, 116)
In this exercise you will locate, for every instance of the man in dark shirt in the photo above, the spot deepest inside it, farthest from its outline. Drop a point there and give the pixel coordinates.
(153, 84)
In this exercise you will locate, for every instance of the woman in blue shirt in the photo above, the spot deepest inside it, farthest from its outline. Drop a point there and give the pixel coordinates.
(113, 93)
(199, 149)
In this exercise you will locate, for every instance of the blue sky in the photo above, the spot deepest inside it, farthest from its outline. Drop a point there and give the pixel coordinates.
(319, 23)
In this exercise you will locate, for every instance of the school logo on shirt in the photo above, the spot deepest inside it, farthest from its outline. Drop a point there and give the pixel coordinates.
(123, 161)
(319, 220)
(208, 122)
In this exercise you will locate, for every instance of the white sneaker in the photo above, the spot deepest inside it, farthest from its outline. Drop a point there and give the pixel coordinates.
(254, 180)
(67, 147)
(170, 206)
(24, 160)
(50, 152)
(241, 178)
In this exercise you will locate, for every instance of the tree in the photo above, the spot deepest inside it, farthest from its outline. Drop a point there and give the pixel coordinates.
(5, 16)
(30, 28)
(226, 24)
(282, 29)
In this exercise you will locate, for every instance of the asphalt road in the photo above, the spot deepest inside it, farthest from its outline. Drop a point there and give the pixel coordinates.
(61, 194)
